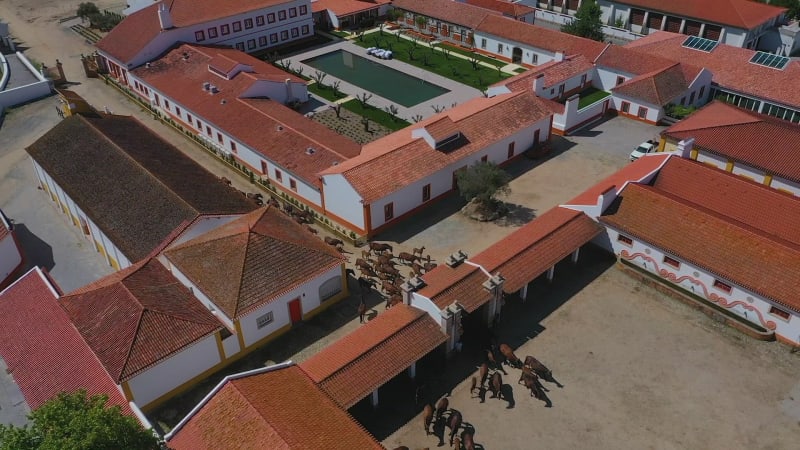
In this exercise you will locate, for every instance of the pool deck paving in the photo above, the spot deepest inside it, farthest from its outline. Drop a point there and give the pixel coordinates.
(459, 92)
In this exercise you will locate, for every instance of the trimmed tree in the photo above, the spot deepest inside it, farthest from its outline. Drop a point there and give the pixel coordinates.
(87, 9)
(76, 421)
(587, 22)
(482, 183)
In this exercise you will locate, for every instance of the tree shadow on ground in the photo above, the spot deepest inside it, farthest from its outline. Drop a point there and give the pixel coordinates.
(516, 215)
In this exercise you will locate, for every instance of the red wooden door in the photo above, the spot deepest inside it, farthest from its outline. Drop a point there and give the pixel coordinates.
(295, 311)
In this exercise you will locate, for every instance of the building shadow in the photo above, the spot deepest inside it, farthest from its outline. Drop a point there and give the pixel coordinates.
(35, 251)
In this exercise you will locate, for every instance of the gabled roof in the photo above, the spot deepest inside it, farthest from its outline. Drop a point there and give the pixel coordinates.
(138, 317)
(446, 10)
(357, 364)
(737, 13)
(482, 122)
(342, 8)
(752, 204)
(504, 7)
(132, 35)
(757, 140)
(277, 132)
(270, 409)
(129, 181)
(658, 87)
(624, 59)
(42, 349)
(535, 247)
(555, 72)
(636, 171)
(539, 37)
(265, 254)
(730, 67)
(739, 254)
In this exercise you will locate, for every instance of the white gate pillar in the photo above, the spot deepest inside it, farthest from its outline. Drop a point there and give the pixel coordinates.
(375, 398)
(575, 255)
(550, 273)
(412, 370)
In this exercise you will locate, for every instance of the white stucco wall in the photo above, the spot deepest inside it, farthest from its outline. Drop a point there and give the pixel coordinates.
(410, 196)
(166, 39)
(785, 185)
(342, 200)
(654, 113)
(96, 236)
(711, 159)
(308, 293)
(748, 305)
(530, 55)
(606, 78)
(202, 225)
(425, 304)
(749, 172)
(174, 371)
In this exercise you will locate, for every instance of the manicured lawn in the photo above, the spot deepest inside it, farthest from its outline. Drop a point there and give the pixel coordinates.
(341, 34)
(478, 56)
(376, 115)
(325, 92)
(520, 70)
(590, 96)
(424, 57)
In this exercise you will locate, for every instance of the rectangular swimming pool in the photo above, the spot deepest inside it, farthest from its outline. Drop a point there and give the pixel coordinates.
(376, 78)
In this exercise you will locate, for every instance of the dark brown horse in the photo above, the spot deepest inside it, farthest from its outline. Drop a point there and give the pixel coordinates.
(484, 373)
(511, 358)
(333, 241)
(408, 257)
(362, 309)
(379, 247)
(454, 423)
(441, 407)
(496, 385)
(467, 440)
(541, 370)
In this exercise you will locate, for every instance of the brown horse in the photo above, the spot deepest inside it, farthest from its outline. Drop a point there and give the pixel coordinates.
(333, 241)
(408, 257)
(362, 309)
(454, 423)
(418, 251)
(541, 370)
(511, 358)
(496, 385)
(473, 383)
(427, 418)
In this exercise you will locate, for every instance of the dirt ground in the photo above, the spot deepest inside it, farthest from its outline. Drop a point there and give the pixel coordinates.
(639, 371)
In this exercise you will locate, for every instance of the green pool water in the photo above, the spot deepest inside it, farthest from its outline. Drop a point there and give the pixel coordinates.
(376, 78)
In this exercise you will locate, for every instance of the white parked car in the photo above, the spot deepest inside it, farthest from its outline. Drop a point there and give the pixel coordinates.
(643, 149)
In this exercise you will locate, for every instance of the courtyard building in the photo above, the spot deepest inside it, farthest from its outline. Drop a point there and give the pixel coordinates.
(125, 187)
(409, 169)
(760, 147)
(235, 103)
(347, 14)
(272, 407)
(248, 25)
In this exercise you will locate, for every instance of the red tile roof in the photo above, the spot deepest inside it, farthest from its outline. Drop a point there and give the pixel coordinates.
(739, 254)
(265, 254)
(482, 121)
(738, 199)
(539, 37)
(42, 349)
(658, 87)
(269, 128)
(342, 8)
(132, 35)
(730, 67)
(504, 7)
(756, 140)
(737, 13)
(446, 10)
(555, 72)
(138, 317)
(279, 409)
(636, 171)
(352, 367)
(529, 251)
(624, 59)
(467, 291)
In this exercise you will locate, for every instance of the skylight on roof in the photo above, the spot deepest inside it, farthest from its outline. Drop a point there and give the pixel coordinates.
(769, 60)
(698, 43)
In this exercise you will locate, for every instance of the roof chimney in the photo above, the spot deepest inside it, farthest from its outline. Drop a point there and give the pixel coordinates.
(559, 55)
(213, 89)
(164, 17)
(206, 86)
